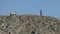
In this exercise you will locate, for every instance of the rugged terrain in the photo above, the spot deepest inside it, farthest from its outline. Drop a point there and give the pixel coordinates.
(29, 24)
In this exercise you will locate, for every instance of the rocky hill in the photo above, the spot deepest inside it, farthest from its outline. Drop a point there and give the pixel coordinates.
(29, 24)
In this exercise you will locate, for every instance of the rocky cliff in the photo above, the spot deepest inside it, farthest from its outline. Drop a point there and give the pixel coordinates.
(29, 24)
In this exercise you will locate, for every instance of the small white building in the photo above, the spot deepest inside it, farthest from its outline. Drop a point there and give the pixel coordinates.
(12, 14)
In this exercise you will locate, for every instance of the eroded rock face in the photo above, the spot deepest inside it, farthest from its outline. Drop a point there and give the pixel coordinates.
(29, 24)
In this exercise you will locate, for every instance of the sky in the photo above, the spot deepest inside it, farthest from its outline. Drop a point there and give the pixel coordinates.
(49, 7)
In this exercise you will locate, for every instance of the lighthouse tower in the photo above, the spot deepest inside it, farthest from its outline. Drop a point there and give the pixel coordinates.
(40, 12)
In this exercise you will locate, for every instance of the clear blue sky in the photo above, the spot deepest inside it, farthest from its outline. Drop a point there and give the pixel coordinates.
(49, 7)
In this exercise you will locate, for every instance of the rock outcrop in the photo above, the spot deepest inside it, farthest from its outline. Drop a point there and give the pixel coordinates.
(29, 24)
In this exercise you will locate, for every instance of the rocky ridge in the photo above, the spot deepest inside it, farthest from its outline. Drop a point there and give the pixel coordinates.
(29, 24)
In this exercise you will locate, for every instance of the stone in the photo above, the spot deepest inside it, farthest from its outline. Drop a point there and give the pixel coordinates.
(29, 24)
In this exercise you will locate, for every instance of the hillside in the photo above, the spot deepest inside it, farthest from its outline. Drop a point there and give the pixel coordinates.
(29, 24)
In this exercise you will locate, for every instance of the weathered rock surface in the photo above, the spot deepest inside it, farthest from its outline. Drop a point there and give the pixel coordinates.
(29, 24)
